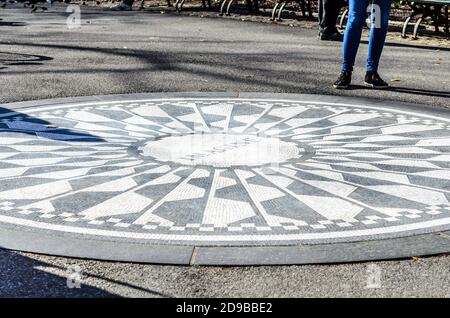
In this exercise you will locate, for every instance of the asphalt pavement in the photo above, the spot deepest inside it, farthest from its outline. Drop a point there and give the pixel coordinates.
(135, 52)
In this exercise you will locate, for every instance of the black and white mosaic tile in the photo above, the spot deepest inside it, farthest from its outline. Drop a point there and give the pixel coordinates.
(225, 171)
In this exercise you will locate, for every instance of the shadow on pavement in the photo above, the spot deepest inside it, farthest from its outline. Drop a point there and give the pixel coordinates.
(7, 58)
(21, 276)
(407, 90)
(128, 285)
(12, 24)
(12, 121)
(412, 46)
(416, 91)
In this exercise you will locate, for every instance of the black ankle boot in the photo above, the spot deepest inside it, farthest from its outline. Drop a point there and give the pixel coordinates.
(374, 80)
(343, 81)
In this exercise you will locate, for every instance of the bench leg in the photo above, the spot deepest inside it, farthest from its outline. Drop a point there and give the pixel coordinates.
(179, 5)
(302, 7)
(249, 5)
(280, 11)
(435, 18)
(222, 7)
(256, 5)
(229, 7)
(416, 28)
(274, 11)
(342, 20)
(309, 7)
(405, 26)
(446, 20)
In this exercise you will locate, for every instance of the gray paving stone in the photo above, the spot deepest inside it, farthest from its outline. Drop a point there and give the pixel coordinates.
(429, 244)
(93, 248)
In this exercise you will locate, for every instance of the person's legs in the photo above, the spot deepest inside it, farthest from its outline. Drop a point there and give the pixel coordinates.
(320, 14)
(353, 31)
(378, 31)
(328, 14)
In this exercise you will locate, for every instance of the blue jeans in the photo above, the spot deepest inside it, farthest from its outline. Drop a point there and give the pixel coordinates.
(352, 37)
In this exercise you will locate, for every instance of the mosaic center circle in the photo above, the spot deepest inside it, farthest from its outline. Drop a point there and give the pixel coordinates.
(221, 150)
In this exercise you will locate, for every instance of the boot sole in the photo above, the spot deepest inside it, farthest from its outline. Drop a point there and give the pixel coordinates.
(341, 87)
(376, 87)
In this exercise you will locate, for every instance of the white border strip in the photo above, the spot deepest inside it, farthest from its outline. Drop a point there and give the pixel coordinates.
(225, 238)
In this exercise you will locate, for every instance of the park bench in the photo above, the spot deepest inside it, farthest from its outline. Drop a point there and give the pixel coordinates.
(225, 6)
(305, 6)
(252, 6)
(437, 10)
(179, 4)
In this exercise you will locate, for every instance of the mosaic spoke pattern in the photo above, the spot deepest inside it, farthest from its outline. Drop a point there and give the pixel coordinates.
(225, 171)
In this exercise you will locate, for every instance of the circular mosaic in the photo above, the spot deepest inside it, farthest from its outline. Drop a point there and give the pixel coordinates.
(225, 171)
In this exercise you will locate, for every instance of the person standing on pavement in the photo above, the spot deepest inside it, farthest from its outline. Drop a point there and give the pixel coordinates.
(358, 9)
(328, 14)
